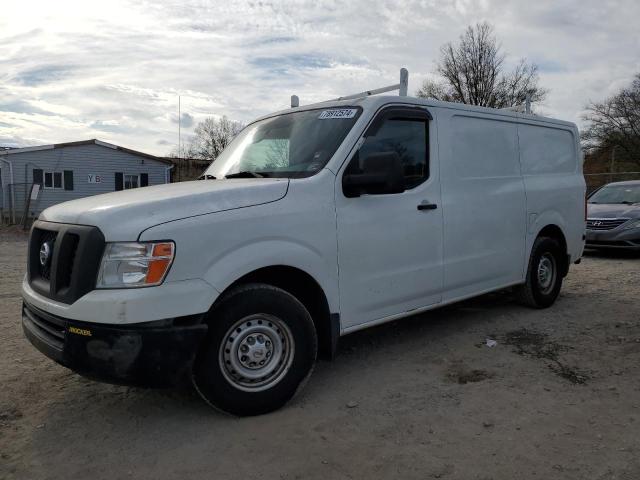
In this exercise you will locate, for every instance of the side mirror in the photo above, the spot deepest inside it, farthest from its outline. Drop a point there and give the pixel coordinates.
(380, 173)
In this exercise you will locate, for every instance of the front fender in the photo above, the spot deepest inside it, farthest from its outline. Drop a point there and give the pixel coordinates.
(231, 265)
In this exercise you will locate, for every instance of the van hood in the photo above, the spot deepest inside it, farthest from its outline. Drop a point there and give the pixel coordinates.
(613, 210)
(123, 215)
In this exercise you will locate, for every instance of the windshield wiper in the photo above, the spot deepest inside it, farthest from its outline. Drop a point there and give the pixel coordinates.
(206, 177)
(245, 174)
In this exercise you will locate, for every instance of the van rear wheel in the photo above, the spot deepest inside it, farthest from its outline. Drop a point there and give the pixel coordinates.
(260, 349)
(544, 274)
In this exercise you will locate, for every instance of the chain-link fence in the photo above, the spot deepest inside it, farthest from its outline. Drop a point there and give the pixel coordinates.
(17, 204)
(597, 180)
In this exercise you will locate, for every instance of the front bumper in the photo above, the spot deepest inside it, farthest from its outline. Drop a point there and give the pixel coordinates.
(627, 239)
(152, 354)
(124, 306)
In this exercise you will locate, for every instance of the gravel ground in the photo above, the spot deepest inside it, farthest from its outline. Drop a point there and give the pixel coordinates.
(557, 397)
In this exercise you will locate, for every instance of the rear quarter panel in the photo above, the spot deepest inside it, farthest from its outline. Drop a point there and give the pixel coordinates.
(551, 162)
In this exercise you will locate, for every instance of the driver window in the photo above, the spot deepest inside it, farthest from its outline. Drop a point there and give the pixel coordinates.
(407, 138)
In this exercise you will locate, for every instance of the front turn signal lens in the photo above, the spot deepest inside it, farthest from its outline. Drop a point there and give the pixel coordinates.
(135, 264)
(157, 270)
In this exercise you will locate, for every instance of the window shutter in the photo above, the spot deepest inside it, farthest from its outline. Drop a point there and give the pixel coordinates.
(119, 181)
(38, 176)
(68, 179)
(144, 179)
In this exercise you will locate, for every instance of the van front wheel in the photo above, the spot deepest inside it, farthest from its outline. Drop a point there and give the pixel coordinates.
(544, 275)
(260, 349)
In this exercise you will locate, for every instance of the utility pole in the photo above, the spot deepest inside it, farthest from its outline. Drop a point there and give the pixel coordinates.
(179, 125)
(613, 162)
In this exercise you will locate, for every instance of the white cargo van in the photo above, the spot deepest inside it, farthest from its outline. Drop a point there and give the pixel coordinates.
(315, 222)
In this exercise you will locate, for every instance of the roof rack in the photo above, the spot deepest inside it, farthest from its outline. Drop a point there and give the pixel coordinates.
(522, 108)
(402, 87)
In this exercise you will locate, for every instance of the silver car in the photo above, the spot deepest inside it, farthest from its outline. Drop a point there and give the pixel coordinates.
(613, 216)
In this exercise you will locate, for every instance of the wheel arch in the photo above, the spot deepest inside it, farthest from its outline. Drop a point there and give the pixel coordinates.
(554, 231)
(308, 291)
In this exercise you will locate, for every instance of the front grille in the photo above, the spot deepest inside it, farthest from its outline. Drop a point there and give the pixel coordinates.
(604, 223)
(64, 260)
(50, 332)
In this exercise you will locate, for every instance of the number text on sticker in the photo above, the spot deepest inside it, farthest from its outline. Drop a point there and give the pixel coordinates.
(337, 113)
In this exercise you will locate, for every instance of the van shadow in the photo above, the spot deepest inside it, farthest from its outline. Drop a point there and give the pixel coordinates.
(115, 418)
(435, 325)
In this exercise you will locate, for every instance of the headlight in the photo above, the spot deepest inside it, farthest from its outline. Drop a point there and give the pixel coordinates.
(633, 224)
(126, 265)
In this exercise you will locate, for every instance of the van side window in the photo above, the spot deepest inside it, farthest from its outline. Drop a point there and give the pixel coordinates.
(408, 138)
(557, 156)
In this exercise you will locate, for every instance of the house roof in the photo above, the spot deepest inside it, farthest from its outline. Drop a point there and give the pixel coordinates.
(187, 159)
(93, 141)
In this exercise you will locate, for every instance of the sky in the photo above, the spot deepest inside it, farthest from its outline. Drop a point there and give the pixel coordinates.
(113, 70)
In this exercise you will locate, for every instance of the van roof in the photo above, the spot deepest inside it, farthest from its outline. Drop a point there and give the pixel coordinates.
(374, 102)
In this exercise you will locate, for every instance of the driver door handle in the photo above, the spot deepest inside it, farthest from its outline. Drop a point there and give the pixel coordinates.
(427, 206)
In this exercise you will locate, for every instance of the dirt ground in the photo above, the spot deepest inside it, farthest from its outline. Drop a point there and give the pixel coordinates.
(558, 397)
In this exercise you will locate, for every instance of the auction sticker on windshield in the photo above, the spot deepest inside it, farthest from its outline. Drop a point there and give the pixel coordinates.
(338, 113)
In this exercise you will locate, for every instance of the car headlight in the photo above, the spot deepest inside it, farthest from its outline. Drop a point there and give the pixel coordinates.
(633, 224)
(127, 265)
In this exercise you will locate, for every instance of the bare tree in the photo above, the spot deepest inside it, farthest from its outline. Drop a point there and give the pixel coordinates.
(471, 72)
(615, 122)
(210, 137)
(277, 154)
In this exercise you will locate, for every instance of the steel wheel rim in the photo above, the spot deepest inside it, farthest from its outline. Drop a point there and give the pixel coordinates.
(256, 352)
(546, 273)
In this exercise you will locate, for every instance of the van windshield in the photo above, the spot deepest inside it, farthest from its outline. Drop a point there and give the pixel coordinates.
(628, 194)
(293, 145)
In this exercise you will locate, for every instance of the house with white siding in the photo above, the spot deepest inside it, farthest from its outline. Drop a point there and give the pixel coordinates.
(34, 178)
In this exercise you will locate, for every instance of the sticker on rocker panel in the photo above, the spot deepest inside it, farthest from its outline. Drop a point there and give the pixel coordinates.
(80, 331)
(338, 113)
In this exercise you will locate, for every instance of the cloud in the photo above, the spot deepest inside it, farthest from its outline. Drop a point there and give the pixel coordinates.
(71, 70)
(21, 106)
(41, 75)
(107, 125)
(186, 120)
(291, 61)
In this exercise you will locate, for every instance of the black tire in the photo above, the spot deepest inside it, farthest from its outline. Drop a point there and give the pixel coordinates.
(534, 292)
(286, 322)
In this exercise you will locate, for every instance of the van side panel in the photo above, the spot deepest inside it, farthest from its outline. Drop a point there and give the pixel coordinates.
(552, 171)
(483, 200)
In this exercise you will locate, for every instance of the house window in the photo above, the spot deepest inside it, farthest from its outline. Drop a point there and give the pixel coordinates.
(131, 181)
(53, 180)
